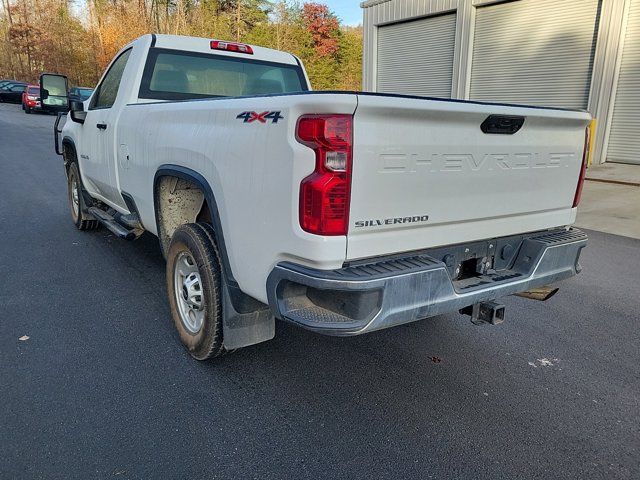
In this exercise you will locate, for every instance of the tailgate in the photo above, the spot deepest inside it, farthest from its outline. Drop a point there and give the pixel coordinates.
(425, 174)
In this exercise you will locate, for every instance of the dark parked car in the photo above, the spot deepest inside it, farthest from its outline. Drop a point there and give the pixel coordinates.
(5, 82)
(12, 93)
(80, 93)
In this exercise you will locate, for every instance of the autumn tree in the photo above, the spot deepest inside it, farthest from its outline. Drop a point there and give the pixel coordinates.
(45, 35)
(323, 26)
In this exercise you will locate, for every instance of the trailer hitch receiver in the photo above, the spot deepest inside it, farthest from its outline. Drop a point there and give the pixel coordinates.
(485, 312)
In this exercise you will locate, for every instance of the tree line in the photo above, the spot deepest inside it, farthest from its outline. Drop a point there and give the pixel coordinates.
(80, 40)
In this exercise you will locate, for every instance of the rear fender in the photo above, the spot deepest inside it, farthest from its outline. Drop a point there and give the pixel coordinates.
(246, 321)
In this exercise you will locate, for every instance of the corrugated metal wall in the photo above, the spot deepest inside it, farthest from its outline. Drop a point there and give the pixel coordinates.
(604, 61)
(624, 137)
(389, 11)
(536, 52)
(416, 57)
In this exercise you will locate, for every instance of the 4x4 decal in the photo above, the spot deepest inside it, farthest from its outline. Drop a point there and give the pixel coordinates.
(250, 117)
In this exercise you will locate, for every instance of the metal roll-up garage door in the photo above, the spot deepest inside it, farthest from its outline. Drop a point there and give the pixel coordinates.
(536, 52)
(416, 57)
(624, 136)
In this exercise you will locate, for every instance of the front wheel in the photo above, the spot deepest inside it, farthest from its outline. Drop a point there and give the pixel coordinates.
(27, 110)
(76, 201)
(194, 286)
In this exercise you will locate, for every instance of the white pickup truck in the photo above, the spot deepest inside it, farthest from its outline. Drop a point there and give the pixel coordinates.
(342, 212)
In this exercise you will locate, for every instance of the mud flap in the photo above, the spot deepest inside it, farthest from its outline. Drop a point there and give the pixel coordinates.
(247, 328)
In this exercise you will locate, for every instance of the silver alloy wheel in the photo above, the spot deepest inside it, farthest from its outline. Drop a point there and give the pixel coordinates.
(188, 292)
(75, 196)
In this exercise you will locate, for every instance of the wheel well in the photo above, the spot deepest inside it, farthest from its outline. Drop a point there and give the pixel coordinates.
(178, 201)
(68, 153)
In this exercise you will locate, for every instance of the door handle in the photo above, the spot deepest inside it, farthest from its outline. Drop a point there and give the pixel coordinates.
(101, 126)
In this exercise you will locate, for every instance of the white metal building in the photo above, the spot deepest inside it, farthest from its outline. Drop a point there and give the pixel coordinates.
(566, 53)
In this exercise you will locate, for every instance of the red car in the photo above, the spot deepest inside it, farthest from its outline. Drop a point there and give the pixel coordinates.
(31, 98)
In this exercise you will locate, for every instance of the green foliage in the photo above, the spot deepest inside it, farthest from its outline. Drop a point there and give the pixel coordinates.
(350, 59)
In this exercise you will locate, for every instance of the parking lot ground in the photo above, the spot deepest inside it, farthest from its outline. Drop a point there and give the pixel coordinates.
(101, 388)
(611, 208)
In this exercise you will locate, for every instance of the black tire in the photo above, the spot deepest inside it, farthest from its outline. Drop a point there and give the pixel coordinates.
(76, 200)
(27, 110)
(201, 333)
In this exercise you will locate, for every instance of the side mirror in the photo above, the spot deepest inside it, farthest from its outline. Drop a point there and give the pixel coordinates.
(54, 93)
(76, 111)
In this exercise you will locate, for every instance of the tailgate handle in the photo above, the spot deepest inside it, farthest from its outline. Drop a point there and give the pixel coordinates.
(502, 124)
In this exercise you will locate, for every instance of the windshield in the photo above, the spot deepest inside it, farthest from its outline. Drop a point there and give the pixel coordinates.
(177, 75)
(33, 91)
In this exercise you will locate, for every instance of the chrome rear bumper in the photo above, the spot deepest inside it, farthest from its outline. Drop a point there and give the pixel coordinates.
(387, 292)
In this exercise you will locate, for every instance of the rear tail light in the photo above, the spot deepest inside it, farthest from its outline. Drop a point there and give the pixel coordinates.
(583, 169)
(231, 47)
(325, 194)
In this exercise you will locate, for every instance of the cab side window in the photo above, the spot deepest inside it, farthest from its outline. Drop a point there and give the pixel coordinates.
(108, 90)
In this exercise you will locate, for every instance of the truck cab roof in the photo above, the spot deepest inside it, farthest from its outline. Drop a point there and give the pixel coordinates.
(203, 45)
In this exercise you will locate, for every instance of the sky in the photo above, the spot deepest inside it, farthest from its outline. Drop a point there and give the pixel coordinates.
(348, 11)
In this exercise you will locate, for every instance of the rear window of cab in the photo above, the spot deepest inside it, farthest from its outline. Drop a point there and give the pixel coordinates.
(182, 75)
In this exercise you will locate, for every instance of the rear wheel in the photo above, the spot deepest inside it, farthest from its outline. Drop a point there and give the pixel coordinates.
(76, 201)
(194, 286)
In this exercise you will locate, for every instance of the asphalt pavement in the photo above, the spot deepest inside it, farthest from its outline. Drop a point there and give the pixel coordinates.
(102, 388)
